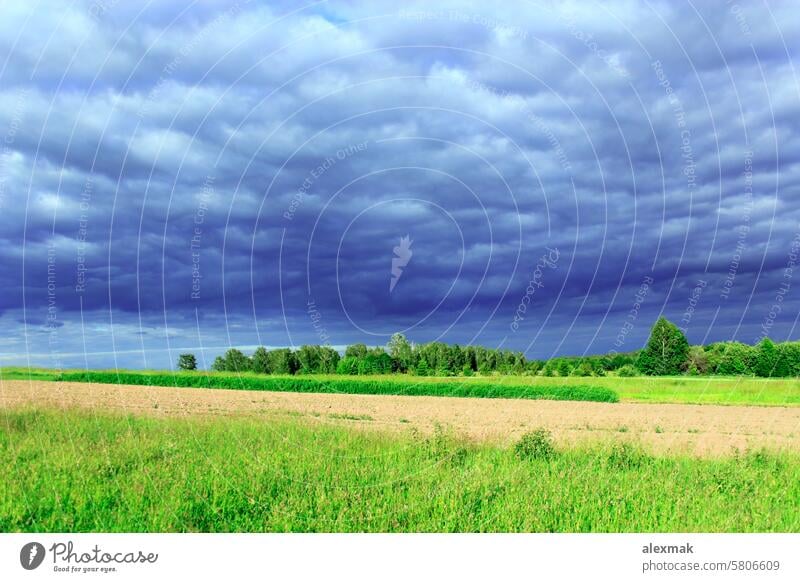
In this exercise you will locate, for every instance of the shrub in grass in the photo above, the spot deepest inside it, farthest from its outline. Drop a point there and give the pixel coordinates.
(626, 456)
(537, 444)
(627, 371)
(582, 370)
(346, 385)
(443, 446)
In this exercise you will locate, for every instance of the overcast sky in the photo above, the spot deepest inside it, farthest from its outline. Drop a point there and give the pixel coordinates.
(192, 177)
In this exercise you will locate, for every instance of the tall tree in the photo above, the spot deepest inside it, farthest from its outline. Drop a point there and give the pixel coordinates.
(347, 365)
(261, 361)
(328, 360)
(233, 361)
(401, 352)
(356, 351)
(766, 358)
(666, 352)
(282, 361)
(308, 357)
(187, 362)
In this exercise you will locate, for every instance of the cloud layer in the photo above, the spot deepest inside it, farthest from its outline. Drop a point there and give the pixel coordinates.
(240, 174)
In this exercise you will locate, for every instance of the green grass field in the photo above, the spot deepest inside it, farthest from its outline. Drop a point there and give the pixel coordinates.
(85, 472)
(17, 373)
(385, 385)
(682, 389)
(677, 389)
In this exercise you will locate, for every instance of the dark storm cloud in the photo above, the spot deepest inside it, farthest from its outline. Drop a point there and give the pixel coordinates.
(179, 177)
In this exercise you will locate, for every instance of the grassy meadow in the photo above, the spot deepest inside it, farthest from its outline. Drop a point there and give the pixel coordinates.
(743, 390)
(102, 472)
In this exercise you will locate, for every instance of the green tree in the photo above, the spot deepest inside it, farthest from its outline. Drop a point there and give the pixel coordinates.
(422, 368)
(508, 360)
(347, 365)
(376, 362)
(308, 358)
(445, 359)
(666, 350)
(457, 357)
(766, 358)
(697, 361)
(233, 361)
(469, 358)
(534, 367)
(356, 351)
(219, 365)
(582, 369)
(187, 362)
(789, 358)
(260, 361)
(519, 363)
(328, 360)
(563, 367)
(481, 359)
(401, 352)
(282, 361)
(731, 358)
(617, 361)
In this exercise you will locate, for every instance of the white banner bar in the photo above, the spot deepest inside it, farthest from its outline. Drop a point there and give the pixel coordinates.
(357, 557)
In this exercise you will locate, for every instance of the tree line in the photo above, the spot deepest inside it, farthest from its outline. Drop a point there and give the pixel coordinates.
(667, 353)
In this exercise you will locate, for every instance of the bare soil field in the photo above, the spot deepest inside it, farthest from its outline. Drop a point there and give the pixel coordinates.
(703, 430)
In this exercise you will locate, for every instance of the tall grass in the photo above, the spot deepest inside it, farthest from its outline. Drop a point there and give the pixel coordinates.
(380, 385)
(80, 472)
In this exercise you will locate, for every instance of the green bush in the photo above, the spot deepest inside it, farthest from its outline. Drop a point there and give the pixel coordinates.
(347, 366)
(627, 371)
(731, 358)
(626, 456)
(537, 444)
(583, 369)
(563, 367)
(375, 363)
(422, 368)
(696, 361)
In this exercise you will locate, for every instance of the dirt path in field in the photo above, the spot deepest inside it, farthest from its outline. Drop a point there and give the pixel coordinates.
(703, 430)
